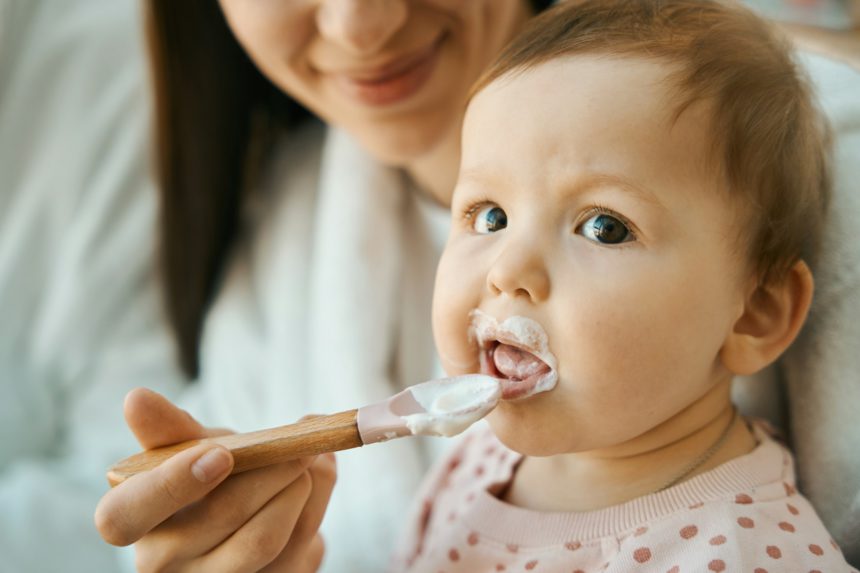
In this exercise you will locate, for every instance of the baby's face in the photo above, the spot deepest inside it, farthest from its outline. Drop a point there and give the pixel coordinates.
(582, 207)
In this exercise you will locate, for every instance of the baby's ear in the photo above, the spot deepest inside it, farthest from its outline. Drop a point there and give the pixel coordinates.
(772, 318)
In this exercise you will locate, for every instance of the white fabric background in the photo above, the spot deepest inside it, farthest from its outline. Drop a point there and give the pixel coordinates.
(79, 318)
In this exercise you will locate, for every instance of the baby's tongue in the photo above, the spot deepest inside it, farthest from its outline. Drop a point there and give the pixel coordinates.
(517, 364)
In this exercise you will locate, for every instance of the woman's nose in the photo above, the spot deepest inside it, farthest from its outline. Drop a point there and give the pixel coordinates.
(520, 272)
(361, 26)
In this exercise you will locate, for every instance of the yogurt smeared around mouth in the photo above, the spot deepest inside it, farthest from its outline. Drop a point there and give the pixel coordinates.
(516, 351)
(452, 406)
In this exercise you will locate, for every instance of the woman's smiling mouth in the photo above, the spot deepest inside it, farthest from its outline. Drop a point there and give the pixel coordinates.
(395, 81)
(516, 351)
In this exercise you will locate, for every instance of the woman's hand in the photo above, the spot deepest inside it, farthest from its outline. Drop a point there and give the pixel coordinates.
(185, 516)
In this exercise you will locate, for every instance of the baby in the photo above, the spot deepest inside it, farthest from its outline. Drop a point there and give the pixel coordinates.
(642, 186)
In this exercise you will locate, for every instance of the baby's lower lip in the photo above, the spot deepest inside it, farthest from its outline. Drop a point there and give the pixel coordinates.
(514, 389)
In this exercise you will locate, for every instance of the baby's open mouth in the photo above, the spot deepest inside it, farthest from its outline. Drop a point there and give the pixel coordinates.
(519, 369)
(515, 351)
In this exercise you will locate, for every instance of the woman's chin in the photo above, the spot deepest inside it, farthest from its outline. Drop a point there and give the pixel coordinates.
(398, 143)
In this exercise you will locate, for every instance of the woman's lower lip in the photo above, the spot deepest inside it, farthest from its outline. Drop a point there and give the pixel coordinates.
(394, 88)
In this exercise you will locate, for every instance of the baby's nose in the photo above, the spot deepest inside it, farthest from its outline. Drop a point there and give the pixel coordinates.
(520, 272)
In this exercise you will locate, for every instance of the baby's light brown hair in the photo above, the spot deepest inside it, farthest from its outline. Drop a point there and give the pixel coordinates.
(769, 139)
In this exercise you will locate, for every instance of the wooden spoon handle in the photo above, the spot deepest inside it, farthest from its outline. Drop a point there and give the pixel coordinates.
(258, 449)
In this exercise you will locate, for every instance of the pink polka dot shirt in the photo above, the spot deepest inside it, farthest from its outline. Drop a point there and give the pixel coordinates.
(743, 516)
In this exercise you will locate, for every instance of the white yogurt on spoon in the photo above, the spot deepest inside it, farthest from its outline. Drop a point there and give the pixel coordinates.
(443, 407)
(453, 405)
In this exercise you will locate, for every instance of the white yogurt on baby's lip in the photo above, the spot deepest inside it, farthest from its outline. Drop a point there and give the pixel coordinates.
(524, 333)
(453, 405)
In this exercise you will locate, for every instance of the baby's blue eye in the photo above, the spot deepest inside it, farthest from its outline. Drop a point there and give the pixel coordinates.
(490, 219)
(606, 229)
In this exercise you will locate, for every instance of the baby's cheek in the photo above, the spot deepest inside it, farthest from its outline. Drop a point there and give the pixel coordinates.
(455, 296)
(615, 353)
(457, 354)
(639, 362)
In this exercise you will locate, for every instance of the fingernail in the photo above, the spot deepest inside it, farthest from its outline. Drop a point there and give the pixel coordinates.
(211, 465)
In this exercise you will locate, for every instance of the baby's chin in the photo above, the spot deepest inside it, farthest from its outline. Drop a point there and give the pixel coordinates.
(525, 435)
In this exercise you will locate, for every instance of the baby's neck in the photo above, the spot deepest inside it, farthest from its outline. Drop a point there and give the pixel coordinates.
(585, 481)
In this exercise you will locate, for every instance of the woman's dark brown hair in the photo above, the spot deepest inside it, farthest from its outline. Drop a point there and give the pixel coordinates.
(214, 114)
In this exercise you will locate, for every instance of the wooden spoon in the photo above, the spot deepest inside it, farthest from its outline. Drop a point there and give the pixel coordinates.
(438, 407)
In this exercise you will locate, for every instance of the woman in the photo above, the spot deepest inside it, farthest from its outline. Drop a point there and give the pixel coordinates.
(309, 251)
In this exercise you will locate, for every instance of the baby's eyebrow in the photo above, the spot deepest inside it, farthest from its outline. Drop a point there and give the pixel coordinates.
(476, 175)
(591, 180)
(578, 183)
